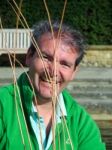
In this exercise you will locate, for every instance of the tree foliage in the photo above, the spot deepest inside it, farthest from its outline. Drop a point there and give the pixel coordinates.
(92, 17)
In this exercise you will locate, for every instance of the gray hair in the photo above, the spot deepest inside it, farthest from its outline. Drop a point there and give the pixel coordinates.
(68, 34)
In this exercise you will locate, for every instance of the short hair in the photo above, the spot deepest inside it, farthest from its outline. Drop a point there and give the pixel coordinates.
(68, 34)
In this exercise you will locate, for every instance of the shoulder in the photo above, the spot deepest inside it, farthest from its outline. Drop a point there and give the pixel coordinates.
(4, 90)
(6, 93)
(76, 111)
(71, 104)
(82, 124)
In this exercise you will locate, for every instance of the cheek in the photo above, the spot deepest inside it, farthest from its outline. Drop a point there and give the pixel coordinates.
(67, 76)
(37, 65)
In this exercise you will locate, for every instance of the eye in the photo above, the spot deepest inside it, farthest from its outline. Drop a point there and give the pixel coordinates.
(66, 64)
(45, 57)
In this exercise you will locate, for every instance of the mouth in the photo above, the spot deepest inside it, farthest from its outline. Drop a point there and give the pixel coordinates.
(51, 81)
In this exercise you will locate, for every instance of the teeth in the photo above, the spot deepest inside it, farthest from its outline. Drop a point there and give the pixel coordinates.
(45, 80)
(49, 81)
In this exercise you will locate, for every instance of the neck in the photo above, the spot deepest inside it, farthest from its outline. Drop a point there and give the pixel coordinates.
(45, 110)
(43, 103)
(44, 107)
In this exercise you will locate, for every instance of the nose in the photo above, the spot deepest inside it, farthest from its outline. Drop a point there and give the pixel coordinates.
(53, 69)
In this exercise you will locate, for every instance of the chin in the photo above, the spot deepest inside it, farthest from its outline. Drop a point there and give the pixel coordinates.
(44, 98)
(46, 95)
(45, 91)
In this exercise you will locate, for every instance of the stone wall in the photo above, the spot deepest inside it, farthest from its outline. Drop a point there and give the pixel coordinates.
(98, 55)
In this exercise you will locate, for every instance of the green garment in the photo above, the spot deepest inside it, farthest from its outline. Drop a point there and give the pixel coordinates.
(76, 132)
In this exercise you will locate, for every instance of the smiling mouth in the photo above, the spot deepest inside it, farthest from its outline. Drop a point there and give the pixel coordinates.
(49, 81)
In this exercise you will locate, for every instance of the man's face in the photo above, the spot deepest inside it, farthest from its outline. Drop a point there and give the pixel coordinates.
(58, 60)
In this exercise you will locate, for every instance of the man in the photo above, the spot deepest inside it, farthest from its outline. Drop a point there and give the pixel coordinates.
(37, 112)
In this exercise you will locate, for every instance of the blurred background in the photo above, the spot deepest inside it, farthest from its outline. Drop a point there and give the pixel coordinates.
(92, 86)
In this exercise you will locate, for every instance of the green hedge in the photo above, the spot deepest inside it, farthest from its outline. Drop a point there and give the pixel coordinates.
(92, 17)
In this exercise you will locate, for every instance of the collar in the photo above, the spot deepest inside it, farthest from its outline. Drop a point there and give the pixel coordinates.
(26, 92)
(60, 107)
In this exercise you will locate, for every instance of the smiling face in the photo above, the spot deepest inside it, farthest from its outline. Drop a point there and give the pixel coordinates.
(58, 61)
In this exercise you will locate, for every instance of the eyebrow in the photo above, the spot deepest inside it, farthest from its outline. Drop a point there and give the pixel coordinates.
(51, 58)
(67, 62)
(46, 54)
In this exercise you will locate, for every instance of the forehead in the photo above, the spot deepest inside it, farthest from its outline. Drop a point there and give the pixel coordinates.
(55, 41)
(55, 47)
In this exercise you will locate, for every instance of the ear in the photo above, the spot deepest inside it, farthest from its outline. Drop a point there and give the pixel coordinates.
(74, 72)
(28, 57)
